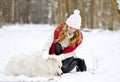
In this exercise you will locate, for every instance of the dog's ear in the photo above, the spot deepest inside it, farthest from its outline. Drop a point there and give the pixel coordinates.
(53, 59)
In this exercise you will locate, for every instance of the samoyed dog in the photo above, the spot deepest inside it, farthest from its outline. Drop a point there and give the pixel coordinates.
(34, 65)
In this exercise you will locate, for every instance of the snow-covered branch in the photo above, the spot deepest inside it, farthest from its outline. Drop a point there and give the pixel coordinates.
(95, 61)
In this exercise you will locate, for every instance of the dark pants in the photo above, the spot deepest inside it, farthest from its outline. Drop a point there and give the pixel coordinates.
(70, 63)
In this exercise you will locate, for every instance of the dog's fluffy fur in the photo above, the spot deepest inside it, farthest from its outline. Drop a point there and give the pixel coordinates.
(33, 65)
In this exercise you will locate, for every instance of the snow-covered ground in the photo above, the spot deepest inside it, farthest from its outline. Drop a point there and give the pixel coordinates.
(100, 49)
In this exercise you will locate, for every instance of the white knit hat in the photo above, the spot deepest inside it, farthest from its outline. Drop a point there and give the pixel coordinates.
(74, 20)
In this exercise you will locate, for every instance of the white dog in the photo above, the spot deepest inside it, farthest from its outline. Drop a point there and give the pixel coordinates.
(34, 65)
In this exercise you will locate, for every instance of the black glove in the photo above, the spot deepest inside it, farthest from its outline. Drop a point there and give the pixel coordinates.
(58, 48)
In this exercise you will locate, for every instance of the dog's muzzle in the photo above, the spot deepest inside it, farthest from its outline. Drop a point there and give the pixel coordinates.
(59, 74)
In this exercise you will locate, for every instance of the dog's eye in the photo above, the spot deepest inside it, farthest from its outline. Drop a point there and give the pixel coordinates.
(59, 66)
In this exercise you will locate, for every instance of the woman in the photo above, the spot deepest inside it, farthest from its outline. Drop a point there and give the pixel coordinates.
(66, 38)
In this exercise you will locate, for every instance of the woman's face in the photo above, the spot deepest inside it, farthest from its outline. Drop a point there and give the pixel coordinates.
(71, 30)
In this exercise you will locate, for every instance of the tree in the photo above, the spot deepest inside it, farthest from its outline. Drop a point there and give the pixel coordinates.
(1, 12)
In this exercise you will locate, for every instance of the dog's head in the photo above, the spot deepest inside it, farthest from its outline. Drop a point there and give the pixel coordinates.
(55, 65)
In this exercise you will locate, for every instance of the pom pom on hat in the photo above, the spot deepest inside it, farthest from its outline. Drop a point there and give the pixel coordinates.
(76, 12)
(74, 20)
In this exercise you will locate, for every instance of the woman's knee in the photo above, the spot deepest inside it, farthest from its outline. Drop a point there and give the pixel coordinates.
(66, 68)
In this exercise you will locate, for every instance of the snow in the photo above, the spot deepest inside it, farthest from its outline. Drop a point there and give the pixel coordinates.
(100, 49)
(118, 2)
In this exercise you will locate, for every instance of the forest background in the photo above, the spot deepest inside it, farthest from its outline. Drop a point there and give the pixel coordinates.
(95, 13)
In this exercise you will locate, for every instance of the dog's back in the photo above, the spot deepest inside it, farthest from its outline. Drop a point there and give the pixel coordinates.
(32, 65)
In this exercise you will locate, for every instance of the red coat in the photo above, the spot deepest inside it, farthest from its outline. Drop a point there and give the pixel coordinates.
(67, 49)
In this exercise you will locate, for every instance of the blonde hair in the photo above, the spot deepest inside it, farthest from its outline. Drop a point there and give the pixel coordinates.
(63, 35)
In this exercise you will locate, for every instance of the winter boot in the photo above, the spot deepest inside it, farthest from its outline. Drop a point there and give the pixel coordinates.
(81, 66)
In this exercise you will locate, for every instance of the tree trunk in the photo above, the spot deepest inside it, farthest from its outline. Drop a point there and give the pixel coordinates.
(1, 11)
(91, 13)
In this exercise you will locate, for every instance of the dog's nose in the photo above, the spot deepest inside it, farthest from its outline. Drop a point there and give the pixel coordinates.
(59, 74)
